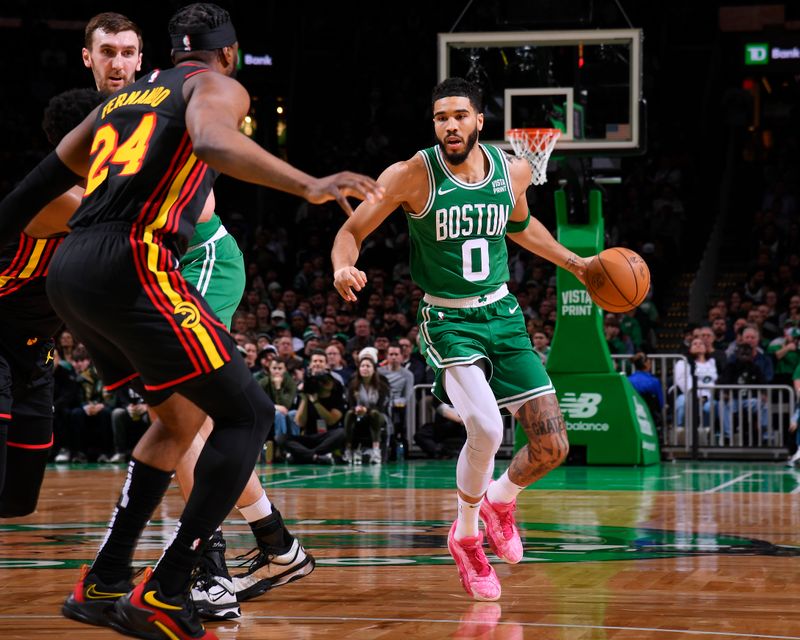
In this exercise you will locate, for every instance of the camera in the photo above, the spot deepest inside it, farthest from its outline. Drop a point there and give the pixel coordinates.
(744, 351)
(312, 384)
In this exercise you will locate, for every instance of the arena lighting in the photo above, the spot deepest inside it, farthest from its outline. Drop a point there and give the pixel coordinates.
(249, 126)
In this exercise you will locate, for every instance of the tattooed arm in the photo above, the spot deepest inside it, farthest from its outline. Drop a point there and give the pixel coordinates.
(547, 445)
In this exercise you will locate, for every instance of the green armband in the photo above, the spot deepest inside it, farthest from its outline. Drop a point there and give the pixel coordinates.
(516, 227)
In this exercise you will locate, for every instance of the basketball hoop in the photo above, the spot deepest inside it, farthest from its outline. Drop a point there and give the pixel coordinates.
(535, 145)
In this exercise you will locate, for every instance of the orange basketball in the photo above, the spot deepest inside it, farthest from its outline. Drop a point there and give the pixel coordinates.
(618, 279)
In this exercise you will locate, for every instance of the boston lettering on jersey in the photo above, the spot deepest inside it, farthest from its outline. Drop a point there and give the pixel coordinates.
(465, 220)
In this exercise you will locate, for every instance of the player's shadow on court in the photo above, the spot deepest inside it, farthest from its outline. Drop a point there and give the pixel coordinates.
(482, 621)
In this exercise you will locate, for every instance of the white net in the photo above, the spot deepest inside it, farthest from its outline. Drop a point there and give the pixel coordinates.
(535, 145)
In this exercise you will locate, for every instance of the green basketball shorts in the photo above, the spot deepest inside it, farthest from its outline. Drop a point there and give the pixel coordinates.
(464, 331)
(216, 269)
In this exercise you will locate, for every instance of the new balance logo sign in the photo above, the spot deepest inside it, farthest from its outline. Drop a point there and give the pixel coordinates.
(578, 407)
(443, 191)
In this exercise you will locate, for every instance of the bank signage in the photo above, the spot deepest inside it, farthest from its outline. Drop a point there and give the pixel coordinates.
(770, 53)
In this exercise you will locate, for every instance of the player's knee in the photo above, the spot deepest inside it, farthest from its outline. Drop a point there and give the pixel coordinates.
(263, 412)
(485, 434)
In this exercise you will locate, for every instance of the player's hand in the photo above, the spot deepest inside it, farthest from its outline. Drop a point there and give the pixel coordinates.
(348, 278)
(342, 185)
(577, 266)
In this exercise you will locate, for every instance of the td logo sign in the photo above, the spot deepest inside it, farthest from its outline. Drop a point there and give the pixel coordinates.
(756, 53)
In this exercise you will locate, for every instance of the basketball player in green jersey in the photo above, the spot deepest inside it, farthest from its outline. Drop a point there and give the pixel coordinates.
(461, 199)
(214, 264)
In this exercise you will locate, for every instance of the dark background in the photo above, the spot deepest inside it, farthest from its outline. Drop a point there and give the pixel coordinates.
(345, 69)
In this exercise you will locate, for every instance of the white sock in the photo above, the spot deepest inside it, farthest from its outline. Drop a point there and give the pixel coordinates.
(467, 523)
(261, 508)
(503, 490)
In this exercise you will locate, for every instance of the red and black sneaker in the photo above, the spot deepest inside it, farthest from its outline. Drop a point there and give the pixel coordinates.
(92, 598)
(146, 612)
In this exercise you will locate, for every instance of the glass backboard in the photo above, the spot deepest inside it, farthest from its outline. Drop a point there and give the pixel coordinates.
(586, 83)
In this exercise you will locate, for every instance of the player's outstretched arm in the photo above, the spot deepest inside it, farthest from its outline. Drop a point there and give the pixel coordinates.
(52, 220)
(535, 237)
(401, 188)
(58, 172)
(216, 106)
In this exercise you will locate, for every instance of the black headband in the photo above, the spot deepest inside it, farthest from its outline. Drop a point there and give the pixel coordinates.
(222, 36)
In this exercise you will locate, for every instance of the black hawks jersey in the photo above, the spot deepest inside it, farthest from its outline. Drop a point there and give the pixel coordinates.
(143, 170)
(27, 320)
(23, 301)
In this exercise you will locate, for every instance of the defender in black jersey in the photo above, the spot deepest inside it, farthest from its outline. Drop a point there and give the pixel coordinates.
(150, 153)
(27, 326)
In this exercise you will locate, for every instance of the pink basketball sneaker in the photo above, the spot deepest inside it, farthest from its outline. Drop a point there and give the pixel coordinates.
(477, 575)
(501, 529)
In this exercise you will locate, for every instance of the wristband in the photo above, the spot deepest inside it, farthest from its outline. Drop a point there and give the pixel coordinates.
(520, 225)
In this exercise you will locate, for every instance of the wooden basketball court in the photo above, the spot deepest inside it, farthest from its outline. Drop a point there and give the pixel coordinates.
(684, 550)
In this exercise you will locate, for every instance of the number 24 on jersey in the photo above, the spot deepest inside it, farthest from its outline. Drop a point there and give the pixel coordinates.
(130, 154)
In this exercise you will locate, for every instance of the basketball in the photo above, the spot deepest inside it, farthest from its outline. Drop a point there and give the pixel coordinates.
(618, 279)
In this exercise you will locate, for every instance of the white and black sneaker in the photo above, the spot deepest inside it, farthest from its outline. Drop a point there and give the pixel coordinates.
(271, 565)
(213, 592)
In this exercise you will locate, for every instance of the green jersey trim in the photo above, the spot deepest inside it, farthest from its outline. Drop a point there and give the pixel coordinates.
(502, 403)
(467, 185)
(431, 189)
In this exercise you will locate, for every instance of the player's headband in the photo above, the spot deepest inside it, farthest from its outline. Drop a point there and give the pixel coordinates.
(222, 36)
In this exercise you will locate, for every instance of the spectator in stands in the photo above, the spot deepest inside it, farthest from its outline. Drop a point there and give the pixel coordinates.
(328, 328)
(743, 370)
(445, 436)
(277, 318)
(413, 361)
(64, 399)
(65, 344)
(541, 345)
(282, 390)
(792, 313)
(129, 420)
(707, 335)
(645, 382)
(689, 334)
(617, 342)
(318, 364)
(285, 348)
(344, 322)
(311, 344)
(784, 350)
(722, 335)
(334, 354)
(694, 378)
(750, 335)
(262, 317)
(401, 383)
(319, 416)
(362, 336)
(629, 326)
(90, 419)
(251, 357)
(368, 396)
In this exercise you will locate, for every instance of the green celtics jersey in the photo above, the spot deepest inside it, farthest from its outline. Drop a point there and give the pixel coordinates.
(458, 244)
